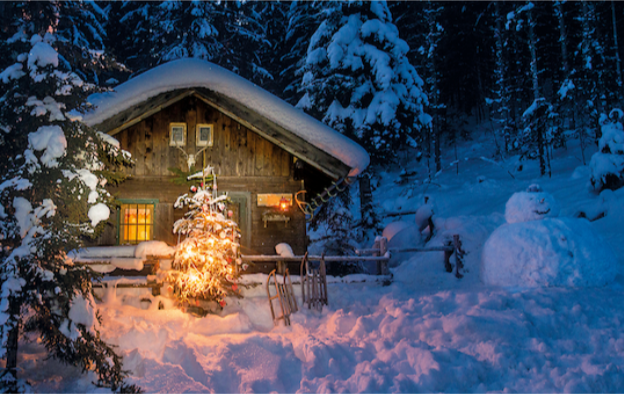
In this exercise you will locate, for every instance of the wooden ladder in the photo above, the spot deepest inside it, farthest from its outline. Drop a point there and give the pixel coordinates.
(313, 283)
(285, 295)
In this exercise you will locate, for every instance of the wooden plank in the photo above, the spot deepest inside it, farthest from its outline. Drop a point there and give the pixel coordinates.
(235, 133)
(242, 152)
(158, 142)
(259, 157)
(149, 146)
(329, 259)
(251, 149)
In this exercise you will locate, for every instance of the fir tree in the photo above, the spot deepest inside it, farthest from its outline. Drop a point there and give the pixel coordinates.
(301, 22)
(50, 198)
(358, 80)
(207, 261)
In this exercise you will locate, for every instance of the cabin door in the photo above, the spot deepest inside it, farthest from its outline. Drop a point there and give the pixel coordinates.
(241, 209)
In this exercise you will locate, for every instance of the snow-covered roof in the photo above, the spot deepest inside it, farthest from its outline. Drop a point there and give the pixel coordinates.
(194, 73)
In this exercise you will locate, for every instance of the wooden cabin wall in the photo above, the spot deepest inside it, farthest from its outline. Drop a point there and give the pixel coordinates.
(244, 162)
(236, 150)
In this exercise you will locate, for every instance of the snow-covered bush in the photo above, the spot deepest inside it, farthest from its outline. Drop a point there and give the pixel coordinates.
(532, 204)
(607, 165)
(549, 252)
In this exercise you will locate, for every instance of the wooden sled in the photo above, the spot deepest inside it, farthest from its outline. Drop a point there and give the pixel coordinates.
(313, 283)
(286, 298)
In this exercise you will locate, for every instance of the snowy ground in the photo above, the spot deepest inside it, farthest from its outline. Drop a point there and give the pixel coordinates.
(427, 331)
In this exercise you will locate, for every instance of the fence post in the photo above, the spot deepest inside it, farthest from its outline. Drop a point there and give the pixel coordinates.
(376, 253)
(383, 249)
(459, 254)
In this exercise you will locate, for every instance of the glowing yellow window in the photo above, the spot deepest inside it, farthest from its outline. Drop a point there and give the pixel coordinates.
(136, 223)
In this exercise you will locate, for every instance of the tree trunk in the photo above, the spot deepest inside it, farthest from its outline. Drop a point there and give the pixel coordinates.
(563, 38)
(501, 81)
(540, 126)
(13, 337)
(617, 55)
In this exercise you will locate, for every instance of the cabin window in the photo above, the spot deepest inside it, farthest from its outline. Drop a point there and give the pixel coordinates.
(136, 222)
(204, 134)
(177, 134)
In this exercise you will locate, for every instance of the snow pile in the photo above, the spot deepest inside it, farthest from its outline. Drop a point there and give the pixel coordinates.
(394, 228)
(549, 252)
(534, 204)
(153, 248)
(607, 165)
(193, 73)
(401, 235)
(284, 250)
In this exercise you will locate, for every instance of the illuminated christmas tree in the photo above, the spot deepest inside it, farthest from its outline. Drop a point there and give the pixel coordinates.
(207, 261)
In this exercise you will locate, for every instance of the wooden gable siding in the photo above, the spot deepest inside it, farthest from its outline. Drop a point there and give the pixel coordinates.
(246, 163)
(236, 150)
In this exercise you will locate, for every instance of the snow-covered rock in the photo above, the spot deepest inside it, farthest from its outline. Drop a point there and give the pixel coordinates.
(533, 204)
(548, 252)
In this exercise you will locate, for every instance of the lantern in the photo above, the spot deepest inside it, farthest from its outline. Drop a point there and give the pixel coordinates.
(283, 204)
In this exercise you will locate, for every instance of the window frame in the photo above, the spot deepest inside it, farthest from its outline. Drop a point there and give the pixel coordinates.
(198, 127)
(120, 224)
(173, 125)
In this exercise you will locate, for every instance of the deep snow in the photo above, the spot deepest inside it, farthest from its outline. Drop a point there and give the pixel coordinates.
(426, 331)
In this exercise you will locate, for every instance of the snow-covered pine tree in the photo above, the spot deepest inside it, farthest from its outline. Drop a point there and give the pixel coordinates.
(243, 34)
(301, 22)
(81, 26)
(51, 196)
(616, 56)
(564, 100)
(607, 165)
(589, 63)
(502, 89)
(432, 14)
(358, 80)
(539, 116)
(267, 21)
(207, 261)
(187, 29)
(130, 36)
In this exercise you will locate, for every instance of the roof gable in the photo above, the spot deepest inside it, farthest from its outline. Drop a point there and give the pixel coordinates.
(279, 122)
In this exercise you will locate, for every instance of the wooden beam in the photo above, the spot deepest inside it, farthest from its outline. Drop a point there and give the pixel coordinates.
(327, 259)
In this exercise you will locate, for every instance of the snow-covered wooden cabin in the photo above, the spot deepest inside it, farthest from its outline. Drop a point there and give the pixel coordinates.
(263, 150)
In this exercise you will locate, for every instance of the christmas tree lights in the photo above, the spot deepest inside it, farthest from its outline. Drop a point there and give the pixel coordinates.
(207, 262)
